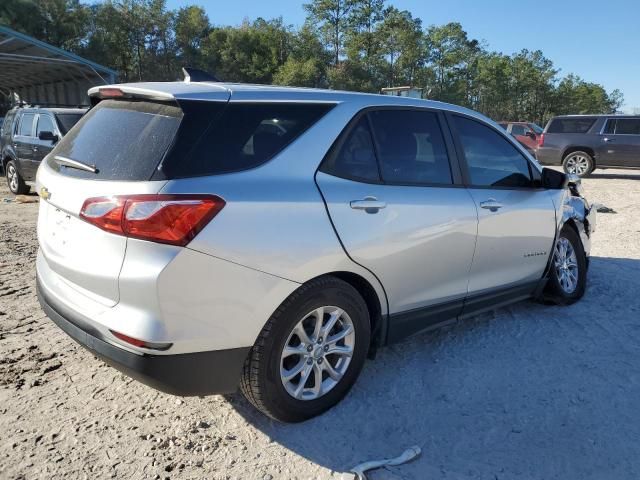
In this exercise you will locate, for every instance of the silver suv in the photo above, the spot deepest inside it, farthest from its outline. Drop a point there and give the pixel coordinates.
(201, 236)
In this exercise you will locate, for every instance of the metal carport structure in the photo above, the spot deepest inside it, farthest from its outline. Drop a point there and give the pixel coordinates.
(41, 74)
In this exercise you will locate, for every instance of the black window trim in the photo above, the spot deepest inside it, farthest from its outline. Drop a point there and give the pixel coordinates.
(454, 165)
(536, 183)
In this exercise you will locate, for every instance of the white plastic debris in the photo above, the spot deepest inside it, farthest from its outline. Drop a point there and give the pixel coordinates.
(358, 472)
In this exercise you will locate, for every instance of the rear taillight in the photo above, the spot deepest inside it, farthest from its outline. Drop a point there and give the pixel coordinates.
(172, 219)
(541, 140)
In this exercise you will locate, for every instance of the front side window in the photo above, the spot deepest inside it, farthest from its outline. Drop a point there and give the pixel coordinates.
(45, 124)
(491, 159)
(355, 159)
(411, 148)
(26, 125)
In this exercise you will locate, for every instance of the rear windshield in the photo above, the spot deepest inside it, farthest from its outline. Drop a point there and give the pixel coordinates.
(124, 140)
(139, 140)
(571, 125)
(67, 120)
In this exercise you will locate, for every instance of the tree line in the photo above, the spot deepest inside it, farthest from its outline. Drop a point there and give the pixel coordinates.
(360, 45)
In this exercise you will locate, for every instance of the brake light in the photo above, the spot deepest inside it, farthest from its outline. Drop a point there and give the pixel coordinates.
(111, 93)
(171, 219)
(541, 140)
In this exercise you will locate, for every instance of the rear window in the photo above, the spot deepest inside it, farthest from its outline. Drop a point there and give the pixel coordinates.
(139, 140)
(571, 125)
(124, 140)
(67, 120)
(236, 136)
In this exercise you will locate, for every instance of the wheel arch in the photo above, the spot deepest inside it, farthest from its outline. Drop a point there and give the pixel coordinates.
(375, 305)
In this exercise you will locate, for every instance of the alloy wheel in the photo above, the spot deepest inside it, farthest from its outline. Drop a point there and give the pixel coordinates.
(578, 164)
(317, 353)
(12, 175)
(566, 265)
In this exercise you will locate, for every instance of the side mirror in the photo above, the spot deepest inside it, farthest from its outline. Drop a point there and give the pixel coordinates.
(554, 180)
(48, 136)
(530, 134)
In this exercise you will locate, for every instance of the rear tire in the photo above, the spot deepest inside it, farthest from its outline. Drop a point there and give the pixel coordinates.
(578, 163)
(568, 275)
(14, 180)
(267, 381)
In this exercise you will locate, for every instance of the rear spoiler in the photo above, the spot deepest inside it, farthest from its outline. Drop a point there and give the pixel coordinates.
(126, 91)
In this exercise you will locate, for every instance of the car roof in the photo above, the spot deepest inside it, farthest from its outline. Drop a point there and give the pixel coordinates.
(597, 115)
(245, 92)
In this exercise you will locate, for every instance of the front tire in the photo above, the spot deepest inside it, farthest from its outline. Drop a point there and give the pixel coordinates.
(310, 352)
(578, 163)
(568, 275)
(14, 180)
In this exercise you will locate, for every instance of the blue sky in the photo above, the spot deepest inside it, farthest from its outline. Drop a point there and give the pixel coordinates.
(598, 40)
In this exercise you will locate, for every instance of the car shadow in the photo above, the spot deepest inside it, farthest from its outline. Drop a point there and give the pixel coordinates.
(527, 391)
(616, 176)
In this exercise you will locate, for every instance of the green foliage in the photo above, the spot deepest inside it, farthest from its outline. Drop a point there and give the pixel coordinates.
(361, 45)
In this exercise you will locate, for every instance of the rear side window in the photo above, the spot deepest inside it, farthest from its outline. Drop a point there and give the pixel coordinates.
(26, 125)
(411, 148)
(237, 136)
(67, 120)
(355, 158)
(571, 125)
(491, 159)
(125, 140)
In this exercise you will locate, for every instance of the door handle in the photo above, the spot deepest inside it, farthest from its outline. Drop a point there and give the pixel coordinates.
(607, 140)
(491, 204)
(369, 204)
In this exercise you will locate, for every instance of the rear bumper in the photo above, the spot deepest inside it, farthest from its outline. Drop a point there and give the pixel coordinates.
(199, 373)
(548, 156)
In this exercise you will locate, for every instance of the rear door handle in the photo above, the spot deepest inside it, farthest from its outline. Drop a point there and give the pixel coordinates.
(369, 204)
(607, 140)
(491, 204)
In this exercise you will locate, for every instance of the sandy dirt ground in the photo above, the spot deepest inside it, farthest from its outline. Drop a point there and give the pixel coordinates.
(525, 392)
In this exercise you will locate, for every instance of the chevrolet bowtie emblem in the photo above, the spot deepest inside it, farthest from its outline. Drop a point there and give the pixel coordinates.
(44, 193)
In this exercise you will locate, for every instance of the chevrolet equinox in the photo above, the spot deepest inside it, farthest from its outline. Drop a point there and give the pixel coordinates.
(203, 236)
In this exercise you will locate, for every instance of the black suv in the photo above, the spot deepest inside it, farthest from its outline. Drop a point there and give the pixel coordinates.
(582, 143)
(27, 135)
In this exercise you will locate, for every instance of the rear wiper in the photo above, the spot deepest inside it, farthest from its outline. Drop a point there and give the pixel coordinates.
(68, 162)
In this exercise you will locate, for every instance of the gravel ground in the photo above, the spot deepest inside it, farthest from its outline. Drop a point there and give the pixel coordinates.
(525, 392)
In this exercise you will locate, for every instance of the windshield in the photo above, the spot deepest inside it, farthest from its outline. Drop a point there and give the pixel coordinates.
(67, 120)
(536, 128)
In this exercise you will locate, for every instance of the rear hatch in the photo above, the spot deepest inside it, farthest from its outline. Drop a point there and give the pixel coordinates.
(123, 141)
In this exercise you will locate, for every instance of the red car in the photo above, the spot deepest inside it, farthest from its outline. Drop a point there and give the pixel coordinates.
(527, 133)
